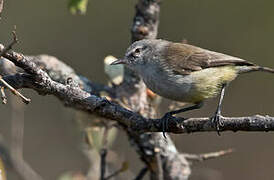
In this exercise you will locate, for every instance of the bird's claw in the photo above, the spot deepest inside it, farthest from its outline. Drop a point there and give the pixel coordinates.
(217, 120)
(165, 120)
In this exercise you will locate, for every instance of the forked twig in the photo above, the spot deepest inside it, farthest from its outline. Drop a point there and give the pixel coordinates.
(13, 42)
(14, 91)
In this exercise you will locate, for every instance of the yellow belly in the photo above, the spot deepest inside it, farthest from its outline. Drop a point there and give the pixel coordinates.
(208, 82)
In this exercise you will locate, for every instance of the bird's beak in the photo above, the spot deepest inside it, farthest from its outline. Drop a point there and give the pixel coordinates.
(118, 61)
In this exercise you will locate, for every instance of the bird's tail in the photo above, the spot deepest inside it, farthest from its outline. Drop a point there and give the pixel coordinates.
(247, 69)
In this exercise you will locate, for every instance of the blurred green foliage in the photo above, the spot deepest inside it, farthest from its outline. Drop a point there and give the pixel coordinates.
(78, 6)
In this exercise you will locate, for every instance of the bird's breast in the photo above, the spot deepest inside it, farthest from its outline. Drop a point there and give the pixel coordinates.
(168, 85)
(196, 87)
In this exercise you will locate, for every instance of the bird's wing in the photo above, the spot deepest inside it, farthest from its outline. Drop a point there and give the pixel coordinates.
(187, 58)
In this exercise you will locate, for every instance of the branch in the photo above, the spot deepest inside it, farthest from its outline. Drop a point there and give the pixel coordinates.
(146, 20)
(249, 123)
(13, 42)
(4, 83)
(77, 98)
(141, 174)
(60, 72)
(3, 96)
(103, 154)
(14, 91)
(123, 168)
(160, 156)
(206, 156)
(1, 7)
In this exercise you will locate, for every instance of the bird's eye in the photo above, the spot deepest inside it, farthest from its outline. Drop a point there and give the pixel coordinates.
(136, 52)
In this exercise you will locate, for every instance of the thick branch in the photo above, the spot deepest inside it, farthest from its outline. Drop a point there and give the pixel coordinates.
(60, 72)
(146, 20)
(249, 123)
(160, 156)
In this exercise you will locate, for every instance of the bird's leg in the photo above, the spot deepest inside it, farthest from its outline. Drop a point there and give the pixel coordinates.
(217, 116)
(169, 115)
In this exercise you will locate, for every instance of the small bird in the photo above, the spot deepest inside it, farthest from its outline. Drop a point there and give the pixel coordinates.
(185, 73)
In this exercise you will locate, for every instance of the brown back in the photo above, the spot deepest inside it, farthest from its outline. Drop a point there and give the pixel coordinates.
(186, 58)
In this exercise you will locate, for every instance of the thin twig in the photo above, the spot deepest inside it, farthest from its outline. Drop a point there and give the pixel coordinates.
(122, 169)
(1, 7)
(103, 153)
(113, 174)
(141, 174)
(206, 156)
(3, 95)
(159, 162)
(14, 91)
(13, 42)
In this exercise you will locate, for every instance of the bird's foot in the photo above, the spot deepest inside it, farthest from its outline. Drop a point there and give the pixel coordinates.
(217, 120)
(165, 119)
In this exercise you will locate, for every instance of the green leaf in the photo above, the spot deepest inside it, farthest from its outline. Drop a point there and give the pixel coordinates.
(78, 6)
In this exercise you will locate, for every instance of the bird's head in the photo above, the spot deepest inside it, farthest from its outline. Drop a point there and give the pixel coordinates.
(140, 53)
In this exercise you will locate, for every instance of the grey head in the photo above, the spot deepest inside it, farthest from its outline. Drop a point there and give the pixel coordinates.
(143, 53)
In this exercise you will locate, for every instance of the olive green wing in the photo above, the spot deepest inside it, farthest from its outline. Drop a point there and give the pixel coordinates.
(187, 58)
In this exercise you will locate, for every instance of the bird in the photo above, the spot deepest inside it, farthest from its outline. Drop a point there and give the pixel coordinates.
(185, 73)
